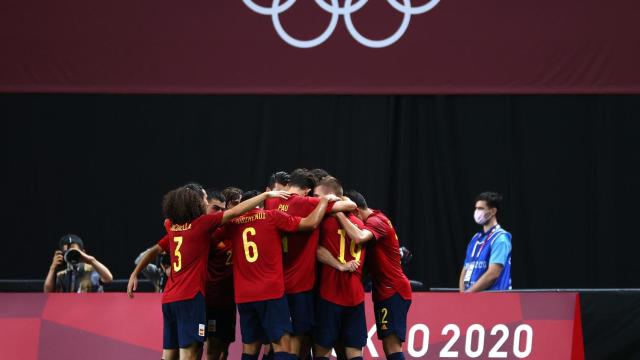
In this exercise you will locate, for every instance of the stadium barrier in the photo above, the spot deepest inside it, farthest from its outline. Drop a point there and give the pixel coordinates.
(441, 325)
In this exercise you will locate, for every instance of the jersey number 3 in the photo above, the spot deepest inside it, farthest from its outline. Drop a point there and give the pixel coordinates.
(177, 264)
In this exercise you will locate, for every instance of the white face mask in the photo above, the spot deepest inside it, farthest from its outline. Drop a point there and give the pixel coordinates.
(481, 216)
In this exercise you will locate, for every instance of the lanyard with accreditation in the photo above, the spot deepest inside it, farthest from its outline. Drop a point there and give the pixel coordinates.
(475, 256)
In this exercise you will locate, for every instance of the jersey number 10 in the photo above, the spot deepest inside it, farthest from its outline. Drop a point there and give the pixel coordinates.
(355, 250)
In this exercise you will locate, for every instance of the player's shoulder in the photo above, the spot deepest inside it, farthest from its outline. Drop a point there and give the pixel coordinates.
(273, 214)
(296, 199)
(272, 203)
(207, 218)
(378, 218)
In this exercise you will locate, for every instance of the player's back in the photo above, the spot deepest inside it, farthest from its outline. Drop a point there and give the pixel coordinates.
(188, 247)
(384, 260)
(257, 253)
(299, 248)
(338, 287)
(219, 288)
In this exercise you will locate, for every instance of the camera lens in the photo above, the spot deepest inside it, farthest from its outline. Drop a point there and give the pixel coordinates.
(72, 257)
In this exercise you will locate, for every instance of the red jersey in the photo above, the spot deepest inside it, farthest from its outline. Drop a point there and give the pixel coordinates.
(342, 288)
(257, 253)
(219, 287)
(384, 259)
(299, 248)
(188, 247)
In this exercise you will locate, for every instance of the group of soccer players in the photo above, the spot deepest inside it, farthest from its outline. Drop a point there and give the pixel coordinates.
(261, 252)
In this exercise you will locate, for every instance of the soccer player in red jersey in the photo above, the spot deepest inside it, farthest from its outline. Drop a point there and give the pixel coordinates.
(188, 246)
(220, 305)
(391, 288)
(300, 255)
(278, 181)
(340, 308)
(258, 275)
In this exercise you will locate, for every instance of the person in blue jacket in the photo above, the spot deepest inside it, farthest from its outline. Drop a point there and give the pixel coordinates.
(487, 265)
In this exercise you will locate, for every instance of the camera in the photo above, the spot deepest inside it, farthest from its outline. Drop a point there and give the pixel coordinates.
(72, 257)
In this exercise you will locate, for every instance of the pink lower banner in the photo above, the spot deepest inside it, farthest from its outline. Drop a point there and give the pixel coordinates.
(440, 325)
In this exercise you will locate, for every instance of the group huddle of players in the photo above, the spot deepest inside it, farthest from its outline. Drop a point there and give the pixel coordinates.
(260, 252)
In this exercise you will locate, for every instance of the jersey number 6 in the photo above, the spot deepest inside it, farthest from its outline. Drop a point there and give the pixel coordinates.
(249, 245)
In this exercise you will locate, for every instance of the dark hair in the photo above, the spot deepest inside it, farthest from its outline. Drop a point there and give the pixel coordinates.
(183, 205)
(319, 174)
(69, 239)
(195, 187)
(232, 194)
(249, 194)
(215, 194)
(303, 179)
(493, 199)
(357, 198)
(332, 184)
(280, 177)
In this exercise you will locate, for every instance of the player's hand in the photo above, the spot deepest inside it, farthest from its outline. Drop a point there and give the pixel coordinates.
(132, 285)
(278, 194)
(331, 198)
(57, 259)
(351, 266)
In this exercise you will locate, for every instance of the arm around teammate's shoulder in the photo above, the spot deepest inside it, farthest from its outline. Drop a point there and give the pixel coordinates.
(311, 221)
(345, 205)
(251, 203)
(356, 234)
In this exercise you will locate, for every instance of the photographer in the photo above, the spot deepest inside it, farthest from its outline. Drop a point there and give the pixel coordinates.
(72, 270)
(157, 272)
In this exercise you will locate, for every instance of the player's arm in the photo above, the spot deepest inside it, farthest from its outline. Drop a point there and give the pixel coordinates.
(147, 258)
(487, 279)
(344, 205)
(313, 220)
(249, 204)
(325, 257)
(359, 236)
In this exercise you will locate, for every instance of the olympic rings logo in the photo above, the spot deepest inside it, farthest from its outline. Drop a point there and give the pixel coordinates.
(336, 11)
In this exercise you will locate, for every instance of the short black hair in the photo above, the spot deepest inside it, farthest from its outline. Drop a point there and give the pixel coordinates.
(69, 239)
(215, 194)
(319, 174)
(493, 199)
(280, 177)
(249, 194)
(303, 179)
(232, 194)
(357, 198)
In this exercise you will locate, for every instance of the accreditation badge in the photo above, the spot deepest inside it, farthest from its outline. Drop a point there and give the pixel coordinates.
(467, 274)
